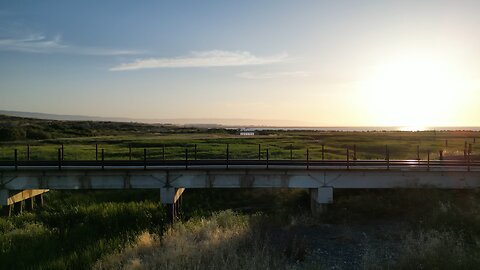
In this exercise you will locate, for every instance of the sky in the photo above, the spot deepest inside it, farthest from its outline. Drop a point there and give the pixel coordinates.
(315, 63)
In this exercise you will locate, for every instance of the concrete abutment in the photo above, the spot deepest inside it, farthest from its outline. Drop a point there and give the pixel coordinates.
(320, 198)
(16, 201)
(170, 196)
(4, 197)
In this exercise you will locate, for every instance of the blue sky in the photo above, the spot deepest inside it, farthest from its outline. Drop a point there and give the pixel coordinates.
(308, 62)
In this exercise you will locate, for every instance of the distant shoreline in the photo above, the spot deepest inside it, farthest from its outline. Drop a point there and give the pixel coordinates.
(223, 123)
(378, 128)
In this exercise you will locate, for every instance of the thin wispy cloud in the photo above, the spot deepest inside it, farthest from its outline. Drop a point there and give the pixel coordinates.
(32, 44)
(214, 58)
(38, 43)
(273, 75)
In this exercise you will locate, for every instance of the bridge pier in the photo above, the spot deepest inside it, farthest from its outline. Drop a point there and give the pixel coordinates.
(170, 197)
(17, 201)
(39, 200)
(3, 197)
(320, 198)
(30, 204)
(6, 209)
(18, 207)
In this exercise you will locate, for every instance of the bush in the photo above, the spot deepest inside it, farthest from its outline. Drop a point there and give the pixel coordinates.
(36, 134)
(437, 250)
(11, 134)
(226, 240)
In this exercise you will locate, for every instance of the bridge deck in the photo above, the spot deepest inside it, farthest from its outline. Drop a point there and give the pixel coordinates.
(172, 177)
(117, 177)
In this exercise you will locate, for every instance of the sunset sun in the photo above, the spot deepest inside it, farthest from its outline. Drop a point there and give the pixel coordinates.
(413, 92)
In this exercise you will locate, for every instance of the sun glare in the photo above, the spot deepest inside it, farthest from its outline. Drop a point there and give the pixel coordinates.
(413, 92)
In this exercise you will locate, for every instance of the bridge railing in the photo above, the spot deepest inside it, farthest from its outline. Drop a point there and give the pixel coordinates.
(236, 151)
(225, 154)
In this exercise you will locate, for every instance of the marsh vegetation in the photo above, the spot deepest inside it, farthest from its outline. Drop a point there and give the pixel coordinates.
(240, 229)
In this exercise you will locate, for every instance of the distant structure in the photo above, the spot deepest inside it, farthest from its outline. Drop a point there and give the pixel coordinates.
(246, 132)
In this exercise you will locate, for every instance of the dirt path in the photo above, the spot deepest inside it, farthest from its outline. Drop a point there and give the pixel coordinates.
(338, 246)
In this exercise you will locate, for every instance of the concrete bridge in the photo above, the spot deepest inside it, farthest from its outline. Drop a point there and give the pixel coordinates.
(28, 180)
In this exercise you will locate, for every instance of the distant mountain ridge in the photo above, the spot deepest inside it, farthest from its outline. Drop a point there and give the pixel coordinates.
(204, 122)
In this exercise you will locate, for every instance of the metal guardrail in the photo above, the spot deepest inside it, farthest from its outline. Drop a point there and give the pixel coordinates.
(349, 162)
(215, 163)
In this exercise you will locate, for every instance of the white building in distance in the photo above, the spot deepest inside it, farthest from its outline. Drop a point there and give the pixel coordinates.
(246, 132)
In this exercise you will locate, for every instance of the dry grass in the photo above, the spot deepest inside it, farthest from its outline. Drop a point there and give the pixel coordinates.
(437, 250)
(427, 249)
(226, 240)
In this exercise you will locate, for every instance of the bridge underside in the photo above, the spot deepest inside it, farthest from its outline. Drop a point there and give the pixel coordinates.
(236, 178)
(172, 182)
(17, 200)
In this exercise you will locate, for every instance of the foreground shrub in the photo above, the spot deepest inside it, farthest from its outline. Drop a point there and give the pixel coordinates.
(224, 241)
(437, 250)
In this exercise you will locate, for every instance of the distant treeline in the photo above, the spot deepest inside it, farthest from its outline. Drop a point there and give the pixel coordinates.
(18, 128)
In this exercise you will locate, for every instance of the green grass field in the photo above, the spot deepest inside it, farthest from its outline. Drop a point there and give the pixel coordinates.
(369, 145)
(76, 229)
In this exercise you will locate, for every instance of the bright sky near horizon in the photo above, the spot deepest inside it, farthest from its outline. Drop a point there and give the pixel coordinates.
(323, 63)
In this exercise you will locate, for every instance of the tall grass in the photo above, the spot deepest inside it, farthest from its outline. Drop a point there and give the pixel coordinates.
(226, 240)
(441, 229)
(71, 233)
(437, 230)
(369, 145)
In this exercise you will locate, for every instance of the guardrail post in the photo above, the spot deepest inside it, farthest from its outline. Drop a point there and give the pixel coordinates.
(59, 159)
(103, 159)
(186, 158)
(195, 156)
(428, 160)
(440, 154)
(268, 157)
(469, 149)
(129, 152)
(228, 154)
(15, 158)
(28, 152)
(387, 156)
(259, 153)
(291, 152)
(348, 158)
(144, 158)
(308, 159)
(96, 151)
(468, 162)
(323, 151)
(354, 152)
(163, 152)
(63, 152)
(418, 152)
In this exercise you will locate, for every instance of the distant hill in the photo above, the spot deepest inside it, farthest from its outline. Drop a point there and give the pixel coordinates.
(200, 122)
(62, 117)
(16, 128)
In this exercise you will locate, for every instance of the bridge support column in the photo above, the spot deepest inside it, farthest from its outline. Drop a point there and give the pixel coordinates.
(169, 196)
(30, 204)
(3, 197)
(18, 207)
(39, 200)
(6, 209)
(320, 198)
